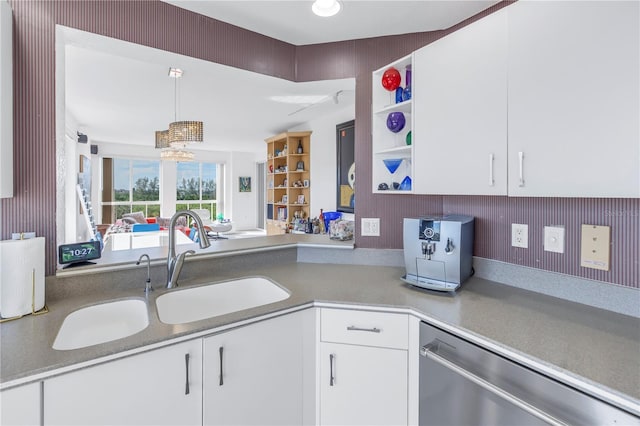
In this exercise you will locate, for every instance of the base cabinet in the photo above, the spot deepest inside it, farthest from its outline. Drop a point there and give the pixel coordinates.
(160, 387)
(363, 363)
(20, 406)
(360, 385)
(253, 375)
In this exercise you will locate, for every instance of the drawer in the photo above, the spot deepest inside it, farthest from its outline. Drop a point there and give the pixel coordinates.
(364, 328)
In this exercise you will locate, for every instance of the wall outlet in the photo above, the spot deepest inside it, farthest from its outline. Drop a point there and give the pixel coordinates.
(595, 246)
(554, 239)
(520, 235)
(370, 227)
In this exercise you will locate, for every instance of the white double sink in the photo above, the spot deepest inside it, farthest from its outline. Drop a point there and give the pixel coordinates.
(122, 318)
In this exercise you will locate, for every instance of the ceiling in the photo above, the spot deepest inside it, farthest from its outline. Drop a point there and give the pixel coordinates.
(120, 92)
(293, 21)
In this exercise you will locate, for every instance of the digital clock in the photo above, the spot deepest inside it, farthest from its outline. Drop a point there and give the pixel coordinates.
(78, 252)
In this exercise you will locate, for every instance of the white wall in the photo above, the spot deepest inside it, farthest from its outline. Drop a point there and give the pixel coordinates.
(323, 158)
(243, 207)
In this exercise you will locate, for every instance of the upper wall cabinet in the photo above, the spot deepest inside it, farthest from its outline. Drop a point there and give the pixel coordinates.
(6, 100)
(460, 110)
(573, 102)
(391, 128)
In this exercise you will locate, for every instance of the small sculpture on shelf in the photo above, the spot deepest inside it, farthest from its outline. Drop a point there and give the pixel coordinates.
(297, 184)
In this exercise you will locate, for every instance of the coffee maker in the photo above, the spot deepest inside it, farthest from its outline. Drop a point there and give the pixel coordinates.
(438, 251)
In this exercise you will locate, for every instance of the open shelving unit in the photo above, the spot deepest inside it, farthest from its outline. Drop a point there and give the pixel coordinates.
(385, 143)
(288, 180)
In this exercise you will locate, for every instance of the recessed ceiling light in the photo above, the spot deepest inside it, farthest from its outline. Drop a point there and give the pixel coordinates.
(326, 8)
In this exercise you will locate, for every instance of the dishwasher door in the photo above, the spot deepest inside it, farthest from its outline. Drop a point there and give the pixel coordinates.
(464, 384)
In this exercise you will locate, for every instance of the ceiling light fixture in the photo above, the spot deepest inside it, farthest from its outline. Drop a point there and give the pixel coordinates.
(172, 154)
(182, 133)
(162, 139)
(326, 8)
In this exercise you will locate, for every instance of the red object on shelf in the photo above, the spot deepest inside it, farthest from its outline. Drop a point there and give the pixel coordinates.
(391, 79)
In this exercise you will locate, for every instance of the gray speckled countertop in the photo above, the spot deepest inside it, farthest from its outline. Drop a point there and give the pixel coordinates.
(593, 349)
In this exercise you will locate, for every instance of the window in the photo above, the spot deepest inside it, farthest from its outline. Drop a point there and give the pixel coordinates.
(136, 187)
(197, 186)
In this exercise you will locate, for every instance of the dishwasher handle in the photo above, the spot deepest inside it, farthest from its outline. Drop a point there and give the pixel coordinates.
(428, 351)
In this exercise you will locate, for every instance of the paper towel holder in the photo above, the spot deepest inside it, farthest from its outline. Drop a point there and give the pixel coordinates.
(44, 309)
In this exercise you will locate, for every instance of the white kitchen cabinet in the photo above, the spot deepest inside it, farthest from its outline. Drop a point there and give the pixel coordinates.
(573, 98)
(363, 362)
(253, 375)
(160, 387)
(20, 406)
(460, 105)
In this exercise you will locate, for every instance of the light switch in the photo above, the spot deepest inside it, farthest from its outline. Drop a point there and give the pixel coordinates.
(594, 247)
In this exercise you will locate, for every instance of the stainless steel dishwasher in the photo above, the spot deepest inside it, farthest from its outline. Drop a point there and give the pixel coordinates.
(464, 384)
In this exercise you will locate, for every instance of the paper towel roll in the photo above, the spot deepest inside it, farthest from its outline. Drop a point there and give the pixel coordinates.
(21, 271)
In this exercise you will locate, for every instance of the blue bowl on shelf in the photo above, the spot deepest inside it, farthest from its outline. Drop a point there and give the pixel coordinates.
(392, 164)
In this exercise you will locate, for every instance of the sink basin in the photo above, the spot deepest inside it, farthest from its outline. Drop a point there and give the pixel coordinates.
(198, 303)
(102, 323)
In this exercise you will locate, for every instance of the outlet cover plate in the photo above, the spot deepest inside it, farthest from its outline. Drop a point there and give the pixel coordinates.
(595, 247)
(554, 239)
(370, 227)
(520, 235)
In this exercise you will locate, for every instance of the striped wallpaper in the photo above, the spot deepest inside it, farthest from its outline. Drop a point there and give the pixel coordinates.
(163, 26)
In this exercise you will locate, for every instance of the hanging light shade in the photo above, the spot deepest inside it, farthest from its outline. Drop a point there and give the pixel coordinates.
(162, 139)
(182, 133)
(181, 155)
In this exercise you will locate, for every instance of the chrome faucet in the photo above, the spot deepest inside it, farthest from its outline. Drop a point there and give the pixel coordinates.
(175, 262)
(147, 286)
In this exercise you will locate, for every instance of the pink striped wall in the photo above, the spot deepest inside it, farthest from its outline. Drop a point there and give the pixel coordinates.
(166, 27)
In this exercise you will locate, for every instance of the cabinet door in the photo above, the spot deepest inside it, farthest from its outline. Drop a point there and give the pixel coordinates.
(361, 385)
(460, 107)
(20, 406)
(253, 374)
(161, 387)
(574, 99)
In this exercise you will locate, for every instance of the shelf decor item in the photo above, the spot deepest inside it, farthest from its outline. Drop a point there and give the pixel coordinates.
(406, 93)
(392, 164)
(391, 79)
(408, 138)
(405, 185)
(396, 121)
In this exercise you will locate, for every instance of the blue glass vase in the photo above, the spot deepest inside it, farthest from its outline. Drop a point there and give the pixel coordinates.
(406, 93)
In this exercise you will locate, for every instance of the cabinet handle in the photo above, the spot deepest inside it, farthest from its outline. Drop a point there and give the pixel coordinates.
(221, 354)
(370, 330)
(520, 168)
(491, 179)
(186, 362)
(429, 352)
(331, 378)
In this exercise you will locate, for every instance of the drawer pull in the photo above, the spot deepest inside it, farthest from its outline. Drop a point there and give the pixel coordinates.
(331, 377)
(221, 382)
(186, 361)
(370, 330)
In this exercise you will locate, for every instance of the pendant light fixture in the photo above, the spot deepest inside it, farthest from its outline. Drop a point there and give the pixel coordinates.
(162, 139)
(182, 133)
(326, 8)
(173, 154)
